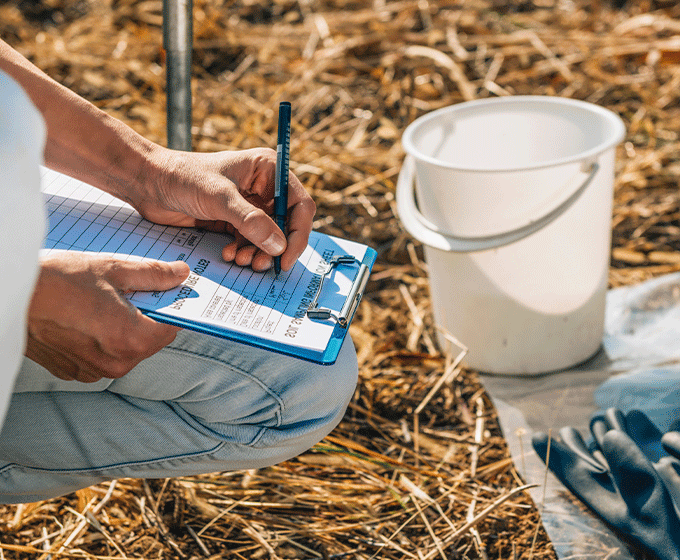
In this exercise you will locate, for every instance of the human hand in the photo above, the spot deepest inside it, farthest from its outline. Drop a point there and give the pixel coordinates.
(618, 482)
(80, 326)
(230, 192)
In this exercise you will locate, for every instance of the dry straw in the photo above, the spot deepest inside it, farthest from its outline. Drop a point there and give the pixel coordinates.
(419, 467)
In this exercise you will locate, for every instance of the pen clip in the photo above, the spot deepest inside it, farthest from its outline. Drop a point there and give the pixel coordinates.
(345, 315)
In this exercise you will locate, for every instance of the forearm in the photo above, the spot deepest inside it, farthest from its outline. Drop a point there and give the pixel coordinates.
(82, 140)
(230, 191)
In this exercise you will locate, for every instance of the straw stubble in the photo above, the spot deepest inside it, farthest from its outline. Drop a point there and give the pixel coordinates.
(419, 467)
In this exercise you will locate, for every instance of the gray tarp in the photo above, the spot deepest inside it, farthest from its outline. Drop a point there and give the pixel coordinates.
(638, 367)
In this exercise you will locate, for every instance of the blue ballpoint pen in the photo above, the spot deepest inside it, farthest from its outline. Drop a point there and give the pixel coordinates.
(281, 180)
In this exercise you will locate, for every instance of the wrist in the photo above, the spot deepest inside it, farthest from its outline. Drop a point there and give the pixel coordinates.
(109, 155)
(133, 167)
(155, 164)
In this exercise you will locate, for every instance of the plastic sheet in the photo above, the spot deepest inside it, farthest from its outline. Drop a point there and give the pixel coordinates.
(637, 367)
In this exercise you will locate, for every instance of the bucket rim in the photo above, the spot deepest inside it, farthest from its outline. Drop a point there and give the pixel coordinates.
(617, 136)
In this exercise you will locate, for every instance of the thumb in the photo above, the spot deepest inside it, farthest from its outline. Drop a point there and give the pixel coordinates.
(256, 226)
(147, 276)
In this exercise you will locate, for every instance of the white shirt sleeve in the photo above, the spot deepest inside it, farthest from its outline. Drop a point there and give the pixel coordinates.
(22, 223)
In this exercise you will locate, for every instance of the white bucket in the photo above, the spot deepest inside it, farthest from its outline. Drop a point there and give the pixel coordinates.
(514, 210)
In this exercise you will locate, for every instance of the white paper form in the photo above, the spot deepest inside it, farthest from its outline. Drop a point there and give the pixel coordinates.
(251, 306)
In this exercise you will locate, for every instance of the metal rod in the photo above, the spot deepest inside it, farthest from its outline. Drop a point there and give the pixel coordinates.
(178, 45)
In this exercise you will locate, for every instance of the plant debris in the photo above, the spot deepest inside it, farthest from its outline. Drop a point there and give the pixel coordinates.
(419, 467)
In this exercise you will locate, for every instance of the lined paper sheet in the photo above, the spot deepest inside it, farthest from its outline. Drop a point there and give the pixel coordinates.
(218, 294)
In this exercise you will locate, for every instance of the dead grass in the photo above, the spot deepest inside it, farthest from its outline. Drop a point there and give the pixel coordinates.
(418, 468)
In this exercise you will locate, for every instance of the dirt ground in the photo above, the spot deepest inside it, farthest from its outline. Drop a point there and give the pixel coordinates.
(419, 467)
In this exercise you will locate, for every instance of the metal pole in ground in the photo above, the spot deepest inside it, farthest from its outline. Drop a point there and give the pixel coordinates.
(178, 43)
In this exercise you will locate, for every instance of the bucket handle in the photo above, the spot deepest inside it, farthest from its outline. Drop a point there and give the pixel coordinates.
(427, 232)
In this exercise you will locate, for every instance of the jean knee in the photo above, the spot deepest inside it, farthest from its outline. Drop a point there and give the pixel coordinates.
(329, 389)
(258, 398)
(315, 402)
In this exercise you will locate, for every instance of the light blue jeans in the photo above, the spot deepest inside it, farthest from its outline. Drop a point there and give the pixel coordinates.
(200, 405)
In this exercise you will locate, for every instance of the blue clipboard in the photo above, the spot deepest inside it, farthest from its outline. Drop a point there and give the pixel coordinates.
(342, 317)
(326, 285)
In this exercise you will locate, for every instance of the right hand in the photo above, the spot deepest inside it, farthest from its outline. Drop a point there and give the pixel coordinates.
(232, 192)
(80, 325)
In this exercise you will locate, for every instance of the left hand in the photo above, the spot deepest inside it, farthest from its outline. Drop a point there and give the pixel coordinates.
(81, 326)
(230, 192)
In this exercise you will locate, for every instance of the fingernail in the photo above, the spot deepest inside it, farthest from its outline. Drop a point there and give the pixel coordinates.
(178, 267)
(274, 245)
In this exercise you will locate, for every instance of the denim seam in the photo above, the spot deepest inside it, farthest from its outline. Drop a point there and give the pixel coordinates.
(258, 437)
(281, 406)
(183, 457)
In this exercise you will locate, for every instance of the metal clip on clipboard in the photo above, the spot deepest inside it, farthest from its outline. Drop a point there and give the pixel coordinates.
(353, 297)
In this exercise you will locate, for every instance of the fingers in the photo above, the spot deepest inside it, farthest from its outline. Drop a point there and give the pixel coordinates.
(649, 519)
(260, 230)
(80, 326)
(144, 337)
(88, 357)
(149, 276)
(251, 222)
(568, 449)
(245, 209)
(60, 365)
(229, 251)
(612, 419)
(671, 443)
(553, 452)
(668, 470)
(573, 440)
(634, 496)
(541, 443)
(301, 217)
(635, 424)
(633, 474)
(592, 487)
(645, 434)
(261, 261)
(233, 191)
(243, 253)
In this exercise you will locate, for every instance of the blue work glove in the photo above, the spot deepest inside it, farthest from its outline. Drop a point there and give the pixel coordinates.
(663, 451)
(619, 484)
